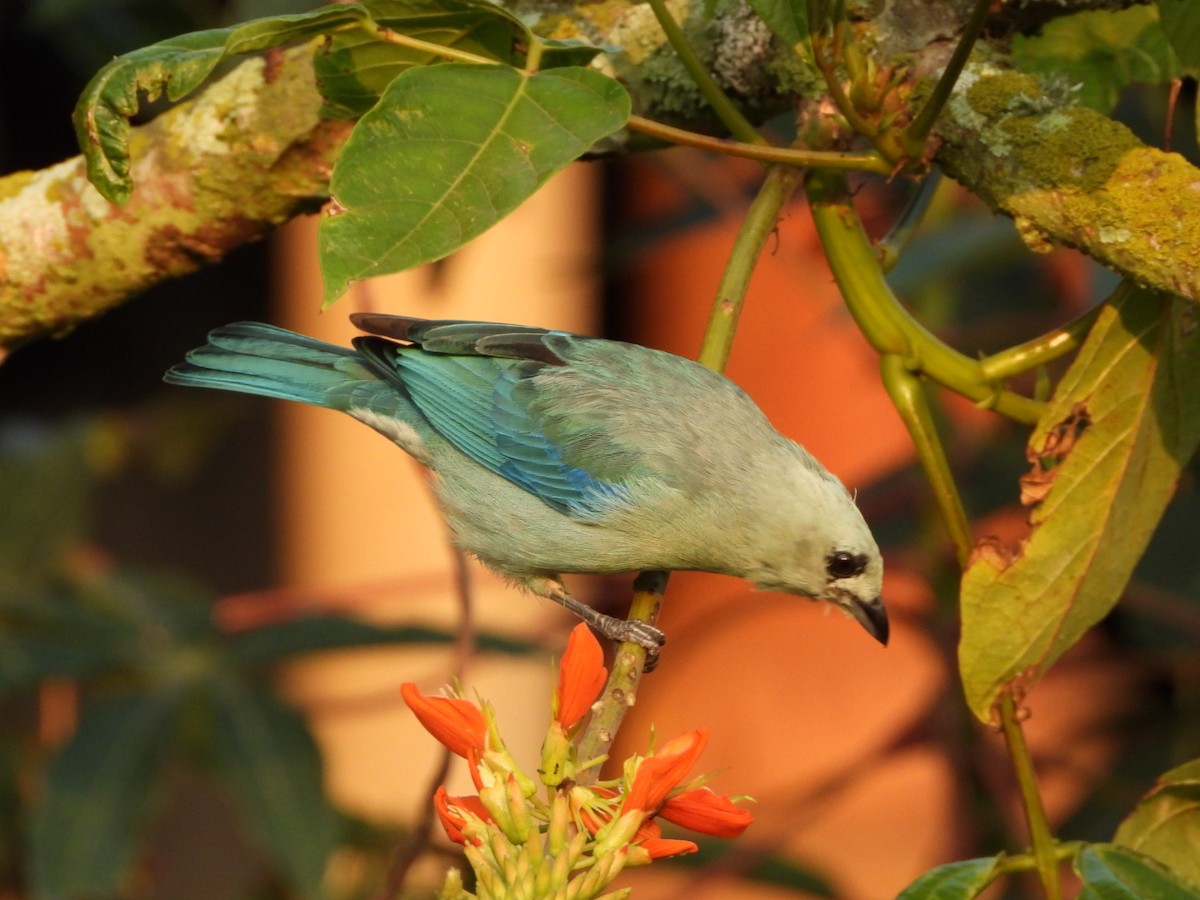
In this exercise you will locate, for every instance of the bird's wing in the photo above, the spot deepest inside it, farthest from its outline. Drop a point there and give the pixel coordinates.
(479, 386)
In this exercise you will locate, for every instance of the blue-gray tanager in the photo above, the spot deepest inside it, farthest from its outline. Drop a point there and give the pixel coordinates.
(560, 453)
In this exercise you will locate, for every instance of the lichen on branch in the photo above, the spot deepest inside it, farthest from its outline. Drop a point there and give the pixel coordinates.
(1069, 175)
(247, 154)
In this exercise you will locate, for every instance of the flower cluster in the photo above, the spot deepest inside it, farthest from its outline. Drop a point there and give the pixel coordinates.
(573, 841)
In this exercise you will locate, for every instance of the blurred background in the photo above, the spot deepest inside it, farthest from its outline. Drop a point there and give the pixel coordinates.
(148, 533)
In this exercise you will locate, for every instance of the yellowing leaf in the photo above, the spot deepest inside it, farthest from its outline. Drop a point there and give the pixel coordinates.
(1166, 822)
(1123, 422)
(1109, 872)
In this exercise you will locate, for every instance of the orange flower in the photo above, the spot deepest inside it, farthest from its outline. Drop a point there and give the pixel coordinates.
(659, 774)
(708, 812)
(581, 675)
(453, 821)
(592, 806)
(658, 848)
(456, 723)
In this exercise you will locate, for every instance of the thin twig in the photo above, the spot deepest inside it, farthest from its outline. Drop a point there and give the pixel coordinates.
(868, 161)
(725, 109)
(918, 130)
(408, 852)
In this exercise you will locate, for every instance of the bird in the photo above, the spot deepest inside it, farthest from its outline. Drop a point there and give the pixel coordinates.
(554, 452)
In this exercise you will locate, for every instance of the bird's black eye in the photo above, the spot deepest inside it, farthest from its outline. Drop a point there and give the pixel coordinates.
(844, 564)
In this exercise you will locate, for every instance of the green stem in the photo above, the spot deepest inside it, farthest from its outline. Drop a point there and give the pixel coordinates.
(738, 125)
(827, 64)
(1040, 350)
(404, 40)
(1026, 862)
(789, 156)
(760, 221)
(917, 133)
(883, 320)
(533, 58)
(891, 246)
(1045, 849)
(621, 690)
(909, 397)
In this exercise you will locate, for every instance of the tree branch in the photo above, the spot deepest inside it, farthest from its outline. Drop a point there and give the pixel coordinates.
(247, 154)
(250, 152)
(1072, 176)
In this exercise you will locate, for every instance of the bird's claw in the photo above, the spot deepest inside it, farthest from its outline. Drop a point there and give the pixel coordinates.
(633, 631)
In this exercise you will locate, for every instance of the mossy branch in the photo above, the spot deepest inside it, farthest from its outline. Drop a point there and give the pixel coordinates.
(246, 155)
(1072, 176)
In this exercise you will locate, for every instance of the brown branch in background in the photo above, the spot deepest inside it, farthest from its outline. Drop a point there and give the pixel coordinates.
(408, 852)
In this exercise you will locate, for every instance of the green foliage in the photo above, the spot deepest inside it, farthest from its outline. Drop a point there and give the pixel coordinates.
(358, 66)
(1166, 822)
(163, 683)
(1109, 872)
(1181, 23)
(101, 790)
(953, 881)
(1107, 455)
(39, 527)
(265, 752)
(1106, 872)
(1103, 52)
(447, 152)
(787, 19)
(963, 879)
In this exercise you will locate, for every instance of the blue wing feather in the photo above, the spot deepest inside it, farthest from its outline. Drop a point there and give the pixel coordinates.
(453, 393)
(483, 405)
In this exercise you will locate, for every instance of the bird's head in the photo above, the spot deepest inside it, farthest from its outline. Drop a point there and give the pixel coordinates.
(819, 546)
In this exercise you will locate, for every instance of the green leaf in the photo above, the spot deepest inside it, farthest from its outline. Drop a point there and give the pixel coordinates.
(954, 881)
(100, 791)
(1107, 454)
(177, 67)
(269, 758)
(1109, 872)
(313, 634)
(165, 611)
(128, 621)
(44, 636)
(1102, 51)
(46, 481)
(358, 67)
(1166, 822)
(787, 19)
(561, 52)
(1181, 23)
(448, 152)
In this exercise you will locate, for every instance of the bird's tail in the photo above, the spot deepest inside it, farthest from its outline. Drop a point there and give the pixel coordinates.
(261, 359)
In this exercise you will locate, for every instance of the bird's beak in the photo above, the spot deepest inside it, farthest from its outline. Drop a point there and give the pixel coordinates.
(871, 615)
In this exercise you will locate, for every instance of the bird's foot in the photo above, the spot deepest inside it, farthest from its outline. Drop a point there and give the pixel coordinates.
(632, 631)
